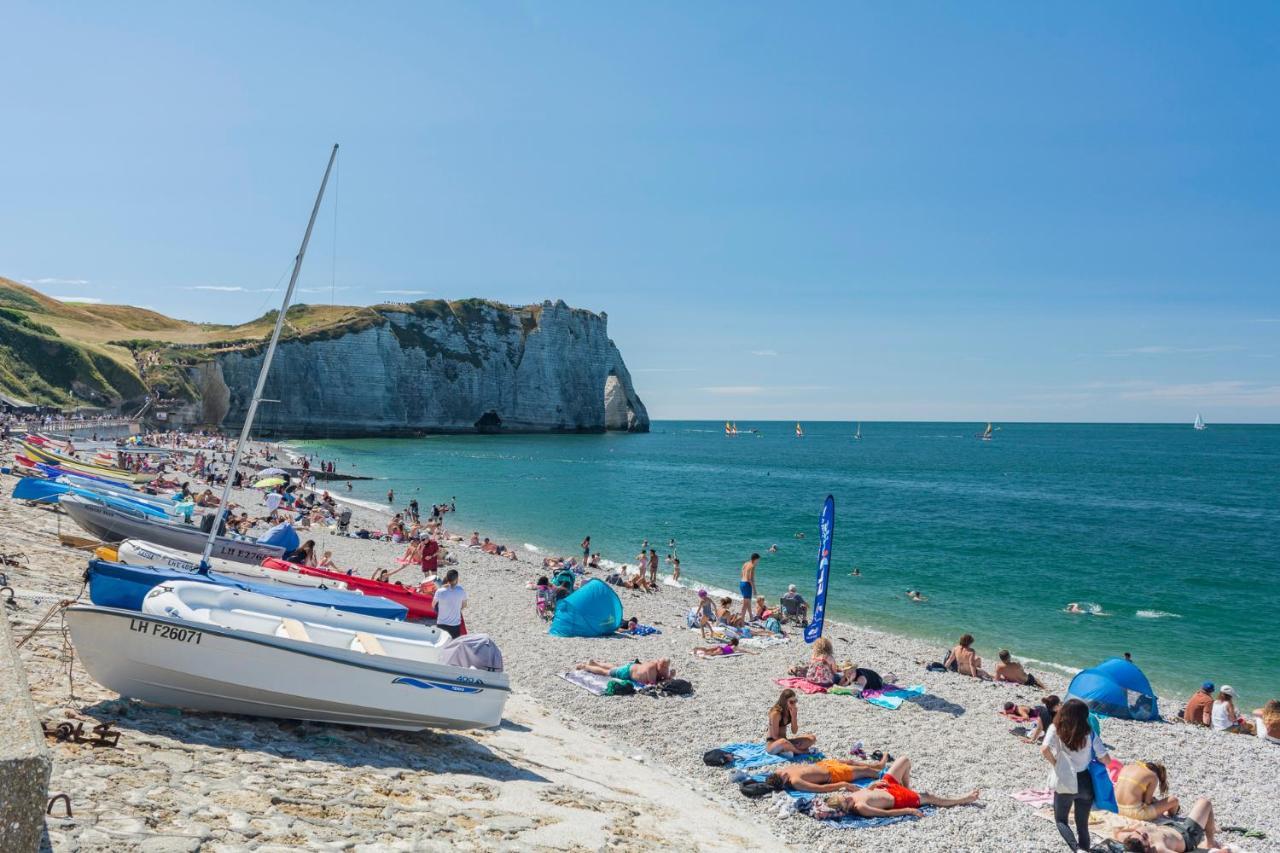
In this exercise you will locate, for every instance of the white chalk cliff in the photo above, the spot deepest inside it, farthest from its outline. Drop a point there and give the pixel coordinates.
(469, 366)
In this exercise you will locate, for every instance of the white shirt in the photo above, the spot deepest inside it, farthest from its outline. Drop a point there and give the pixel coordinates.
(272, 500)
(1070, 761)
(448, 603)
(1221, 717)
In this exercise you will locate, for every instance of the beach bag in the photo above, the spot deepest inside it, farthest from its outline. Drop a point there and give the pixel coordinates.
(1104, 793)
(691, 618)
(676, 687)
(717, 758)
(773, 625)
(754, 789)
(619, 687)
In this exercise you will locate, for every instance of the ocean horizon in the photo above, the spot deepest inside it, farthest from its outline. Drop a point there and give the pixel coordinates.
(1166, 535)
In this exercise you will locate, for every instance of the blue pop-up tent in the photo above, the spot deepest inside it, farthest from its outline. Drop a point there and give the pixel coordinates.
(594, 610)
(282, 534)
(1116, 688)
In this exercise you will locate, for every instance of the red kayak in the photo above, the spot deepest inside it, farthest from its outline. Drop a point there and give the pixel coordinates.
(419, 603)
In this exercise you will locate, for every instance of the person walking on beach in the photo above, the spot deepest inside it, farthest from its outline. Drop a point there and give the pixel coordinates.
(747, 586)
(448, 602)
(586, 548)
(1069, 745)
(653, 566)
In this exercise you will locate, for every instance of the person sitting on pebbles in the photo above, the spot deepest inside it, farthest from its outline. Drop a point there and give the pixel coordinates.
(782, 716)
(892, 796)
(1010, 670)
(823, 777)
(649, 672)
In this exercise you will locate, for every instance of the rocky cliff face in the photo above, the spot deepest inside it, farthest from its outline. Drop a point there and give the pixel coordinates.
(433, 367)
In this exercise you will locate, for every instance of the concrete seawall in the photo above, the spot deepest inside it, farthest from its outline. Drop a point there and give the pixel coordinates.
(25, 762)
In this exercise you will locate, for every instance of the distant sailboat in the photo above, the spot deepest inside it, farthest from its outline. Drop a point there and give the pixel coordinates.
(1199, 424)
(857, 436)
(799, 430)
(986, 434)
(730, 428)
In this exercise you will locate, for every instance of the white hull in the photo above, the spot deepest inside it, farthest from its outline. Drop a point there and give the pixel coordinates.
(195, 665)
(135, 552)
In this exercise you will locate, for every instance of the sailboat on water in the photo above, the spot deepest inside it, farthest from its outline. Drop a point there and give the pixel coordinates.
(799, 430)
(730, 428)
(857, 435)
(987, 433)
(1199, 424)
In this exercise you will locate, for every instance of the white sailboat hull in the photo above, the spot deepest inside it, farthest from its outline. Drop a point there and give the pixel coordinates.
(195, 665)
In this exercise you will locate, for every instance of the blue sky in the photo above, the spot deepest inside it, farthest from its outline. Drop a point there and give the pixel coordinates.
(870, 211)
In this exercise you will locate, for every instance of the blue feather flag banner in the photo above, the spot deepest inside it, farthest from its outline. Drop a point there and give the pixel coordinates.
(826, 530)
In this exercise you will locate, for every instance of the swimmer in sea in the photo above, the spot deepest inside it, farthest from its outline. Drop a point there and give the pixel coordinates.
(856, 573)
(773, 549)
(1073, 607)
(799, 535)
(914, 595)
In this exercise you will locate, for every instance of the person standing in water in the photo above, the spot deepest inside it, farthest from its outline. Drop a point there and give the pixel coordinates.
(391, 496)
(747, 586)
(586, 548)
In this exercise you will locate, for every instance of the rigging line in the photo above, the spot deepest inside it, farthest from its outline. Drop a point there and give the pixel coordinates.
(333, 262)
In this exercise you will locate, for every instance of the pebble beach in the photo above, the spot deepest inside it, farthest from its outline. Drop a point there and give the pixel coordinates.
(567, 770)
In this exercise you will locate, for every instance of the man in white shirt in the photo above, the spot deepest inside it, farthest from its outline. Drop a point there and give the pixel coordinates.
(449, 601)
(272, 500)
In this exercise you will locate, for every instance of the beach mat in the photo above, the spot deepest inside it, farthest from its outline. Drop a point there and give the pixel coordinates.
(591, 682)
(749, 755)
(891, 697)
(806, 799)
(800, 684)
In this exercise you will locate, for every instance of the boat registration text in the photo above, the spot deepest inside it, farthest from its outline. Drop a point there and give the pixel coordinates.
(165, 632)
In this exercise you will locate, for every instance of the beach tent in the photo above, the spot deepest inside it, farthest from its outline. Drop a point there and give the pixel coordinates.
(593, 611)
(282, 534)
(1115, 688)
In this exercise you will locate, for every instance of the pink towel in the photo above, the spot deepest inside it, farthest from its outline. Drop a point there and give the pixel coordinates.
(800, 684)
(1034, 797)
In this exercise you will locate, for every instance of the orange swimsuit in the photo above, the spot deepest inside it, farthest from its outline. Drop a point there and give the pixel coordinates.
(837, 770)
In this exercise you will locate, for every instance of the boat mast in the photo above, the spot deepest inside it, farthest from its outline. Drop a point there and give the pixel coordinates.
(266, 368)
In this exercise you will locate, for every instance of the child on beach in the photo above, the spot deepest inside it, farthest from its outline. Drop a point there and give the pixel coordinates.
(730, 647)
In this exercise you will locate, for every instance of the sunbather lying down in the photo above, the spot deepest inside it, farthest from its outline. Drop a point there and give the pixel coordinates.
(824, 776)
(648, 672)
(892, 796)
(730, 647)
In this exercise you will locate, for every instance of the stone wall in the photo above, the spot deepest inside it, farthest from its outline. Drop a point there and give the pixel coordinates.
(25, 763)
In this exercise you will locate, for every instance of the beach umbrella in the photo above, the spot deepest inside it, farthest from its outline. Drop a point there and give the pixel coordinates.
(272, 472)
(268, 483)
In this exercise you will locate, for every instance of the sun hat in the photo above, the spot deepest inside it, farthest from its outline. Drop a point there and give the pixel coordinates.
(1228, 690)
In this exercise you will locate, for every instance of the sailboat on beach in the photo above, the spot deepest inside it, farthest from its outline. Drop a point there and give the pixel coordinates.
(1199, 424)
(799, 430)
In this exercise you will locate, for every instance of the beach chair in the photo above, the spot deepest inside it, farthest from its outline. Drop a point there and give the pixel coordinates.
(794, 611)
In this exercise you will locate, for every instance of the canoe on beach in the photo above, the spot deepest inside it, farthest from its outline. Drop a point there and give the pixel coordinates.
(135, 552)
(228, 651)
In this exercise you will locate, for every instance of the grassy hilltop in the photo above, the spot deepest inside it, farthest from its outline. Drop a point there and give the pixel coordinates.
(71, 354)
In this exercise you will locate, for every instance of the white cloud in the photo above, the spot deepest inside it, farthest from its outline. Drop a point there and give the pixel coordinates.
(734, 390)
(70, 282)
(87, 300)
(405, 292)
(1222, 392)
(767, 353)
(1168, 350)
(228, 288)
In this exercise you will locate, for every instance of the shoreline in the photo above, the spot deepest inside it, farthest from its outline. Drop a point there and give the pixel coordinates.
(652, 747)
(953, 734)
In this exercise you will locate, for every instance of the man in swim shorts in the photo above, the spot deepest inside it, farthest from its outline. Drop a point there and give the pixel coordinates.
(892, 796)
(747, 586)
(1172, 834)
(823, 777)
(648, 672)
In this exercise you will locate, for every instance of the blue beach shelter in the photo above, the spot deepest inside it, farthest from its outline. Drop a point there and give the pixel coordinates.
(1116, 688)
(594, 610)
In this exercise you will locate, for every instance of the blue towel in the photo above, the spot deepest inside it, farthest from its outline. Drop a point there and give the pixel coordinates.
(892, 699)
(642, 631)
(747, 755)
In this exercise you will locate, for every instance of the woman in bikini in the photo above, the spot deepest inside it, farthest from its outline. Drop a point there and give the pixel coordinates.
(783, 716)
(1136, 788)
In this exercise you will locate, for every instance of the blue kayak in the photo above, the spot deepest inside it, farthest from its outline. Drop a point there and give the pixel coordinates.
(124, 587)
(49, 491)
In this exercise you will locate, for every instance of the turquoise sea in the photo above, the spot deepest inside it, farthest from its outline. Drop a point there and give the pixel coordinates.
(1174, 535)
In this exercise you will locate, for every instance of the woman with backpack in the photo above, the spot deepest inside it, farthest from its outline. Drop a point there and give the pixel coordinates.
(1069, 747)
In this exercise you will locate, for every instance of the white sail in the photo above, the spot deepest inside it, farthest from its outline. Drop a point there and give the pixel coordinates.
(858, 434)
(1199, 424)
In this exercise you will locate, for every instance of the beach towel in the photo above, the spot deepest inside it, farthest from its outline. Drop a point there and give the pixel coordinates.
(717, 657)
(891, 697)
(762, 642)
(807, 804)
(748, 755)
(640, 631)
(1034, 796)
(588, 681)
(800, 684)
